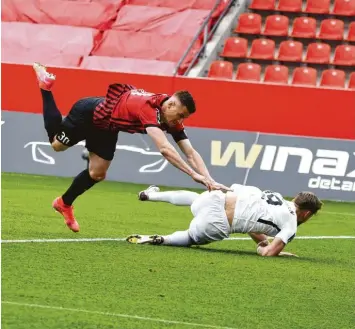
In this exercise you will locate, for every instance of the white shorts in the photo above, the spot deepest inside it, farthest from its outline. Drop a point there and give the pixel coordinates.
(210, 221)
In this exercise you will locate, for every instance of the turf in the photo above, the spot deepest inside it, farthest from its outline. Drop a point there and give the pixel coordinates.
(106, 284)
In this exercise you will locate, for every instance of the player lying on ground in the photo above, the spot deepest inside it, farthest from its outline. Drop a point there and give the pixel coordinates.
(98, 120)
(245, 210)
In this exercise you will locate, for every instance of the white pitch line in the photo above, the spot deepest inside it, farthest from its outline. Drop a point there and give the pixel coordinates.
(337, 213)
(136, 317)
(123, 239)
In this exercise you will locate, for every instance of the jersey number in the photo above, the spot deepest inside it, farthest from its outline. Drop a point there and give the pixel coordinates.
(273, 200)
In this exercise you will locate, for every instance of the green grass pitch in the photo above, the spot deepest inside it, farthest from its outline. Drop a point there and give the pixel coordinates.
(112, 284)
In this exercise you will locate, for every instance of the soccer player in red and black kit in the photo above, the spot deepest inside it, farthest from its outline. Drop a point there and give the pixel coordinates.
(98, 120)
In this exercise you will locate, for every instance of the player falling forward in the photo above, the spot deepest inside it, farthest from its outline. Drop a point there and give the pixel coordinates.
(98, 120)
(245, 210)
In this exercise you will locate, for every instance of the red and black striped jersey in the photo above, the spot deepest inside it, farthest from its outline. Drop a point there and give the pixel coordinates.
(132, 110)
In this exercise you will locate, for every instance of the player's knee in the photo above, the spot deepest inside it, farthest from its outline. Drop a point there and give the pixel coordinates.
(58, 146)
(97, 175)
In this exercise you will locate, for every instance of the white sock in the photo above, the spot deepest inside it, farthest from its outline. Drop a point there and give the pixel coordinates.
(178, 198)
(179, 239)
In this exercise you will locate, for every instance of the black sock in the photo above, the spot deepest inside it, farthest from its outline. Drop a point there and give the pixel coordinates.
(80, 184)
(51, 115)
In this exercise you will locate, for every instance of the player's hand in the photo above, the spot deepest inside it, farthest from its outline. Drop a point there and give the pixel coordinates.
(202, 180)
(220, 187)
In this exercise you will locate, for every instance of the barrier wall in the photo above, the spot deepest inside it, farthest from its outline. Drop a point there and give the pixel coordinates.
(285, 164)
(220, 104)
(253, 151)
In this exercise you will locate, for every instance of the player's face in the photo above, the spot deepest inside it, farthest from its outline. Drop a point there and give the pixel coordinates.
(304, 216)
(174, 112)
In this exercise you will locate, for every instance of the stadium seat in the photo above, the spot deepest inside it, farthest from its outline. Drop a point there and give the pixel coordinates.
(276, 74)
(249, 23)
(235, 47)
(344, 7)
(276, 25)
(304, 76)
(332, 29)
(290, 5)
(344, 55)
(248, 72)
(263, 4)
(262, 49)
(290, 51)
(351, 33)
(333, 78)
(352, 81)
(318, 53)
(48, 41)
(97, 15)
(144, 45)
(128, 65)
(317, 6)
(304, 27)
(160, 20)
(221, 70)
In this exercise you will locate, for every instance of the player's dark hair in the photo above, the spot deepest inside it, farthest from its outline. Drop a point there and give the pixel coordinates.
(308, 201)
(187, 100)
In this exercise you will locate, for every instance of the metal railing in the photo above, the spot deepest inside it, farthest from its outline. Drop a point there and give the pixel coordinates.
(206, 35)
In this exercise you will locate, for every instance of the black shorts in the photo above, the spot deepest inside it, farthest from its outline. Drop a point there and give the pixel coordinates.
(78, 125)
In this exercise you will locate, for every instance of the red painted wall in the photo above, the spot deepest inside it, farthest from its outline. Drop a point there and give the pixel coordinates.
(220, 104)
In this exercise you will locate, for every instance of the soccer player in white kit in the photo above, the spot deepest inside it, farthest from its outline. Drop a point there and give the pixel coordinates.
(247, 209)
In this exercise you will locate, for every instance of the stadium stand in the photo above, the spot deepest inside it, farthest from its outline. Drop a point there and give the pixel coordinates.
(137, 33)
(312, 40)
(221, 70)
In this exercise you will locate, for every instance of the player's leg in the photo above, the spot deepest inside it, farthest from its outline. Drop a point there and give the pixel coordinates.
(51, 115)
(101, 145)
(178, 198)
(210, 224)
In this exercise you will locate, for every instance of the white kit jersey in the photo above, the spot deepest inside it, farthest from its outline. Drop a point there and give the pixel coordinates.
(266, 212)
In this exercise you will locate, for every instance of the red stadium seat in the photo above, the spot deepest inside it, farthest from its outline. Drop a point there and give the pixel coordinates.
(304, 76)
(163, 21)
(344, 55)
(332, 29)
(276, 25)
(351, 34)
(263, 4)
(333, 78)
(352, 81)
(64, 12)
(262, 49)
(290, 5)
(318, 53)
(248, 72)
(144, 45)
(235, 47)
(221, 70)
(128, 65)
(318, 6)
(290, 51)
(344, 7)
(46, 40)
(249, 23)
(276, 74)
(304, 27)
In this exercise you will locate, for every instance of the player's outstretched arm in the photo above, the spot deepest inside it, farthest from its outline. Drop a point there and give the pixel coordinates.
(169, 153)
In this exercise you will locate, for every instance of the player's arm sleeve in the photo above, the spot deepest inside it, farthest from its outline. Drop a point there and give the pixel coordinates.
(287, 234)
